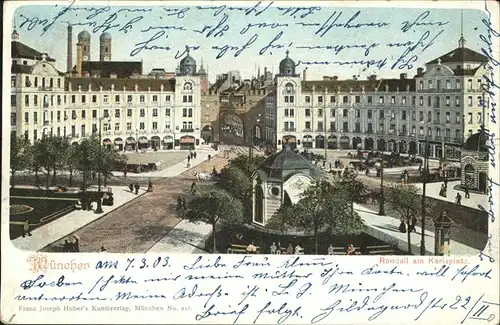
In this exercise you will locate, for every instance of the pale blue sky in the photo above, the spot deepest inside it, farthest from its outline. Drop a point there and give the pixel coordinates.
(53, 41)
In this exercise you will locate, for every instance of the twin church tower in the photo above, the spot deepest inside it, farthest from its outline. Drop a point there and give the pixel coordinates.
(83, 47)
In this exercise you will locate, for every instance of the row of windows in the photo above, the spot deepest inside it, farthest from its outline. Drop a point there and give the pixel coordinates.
(45, 82)
(290, 112)
(434, 101)
(290, 127)
(83, 99)
(142, 126)
(186, 112)
(448, 83)
(186, 126)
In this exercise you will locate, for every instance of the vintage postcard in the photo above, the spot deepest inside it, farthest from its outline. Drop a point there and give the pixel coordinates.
(251, 162)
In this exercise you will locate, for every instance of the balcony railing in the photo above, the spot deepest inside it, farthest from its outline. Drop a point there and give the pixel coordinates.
(438, 138)
(187, 130)
(155, 131)
(117, 132)
(402, 133)
(289, 130)
(167, 130)
(46, 88)
(45, 123)
(320, 130)
(332, 130)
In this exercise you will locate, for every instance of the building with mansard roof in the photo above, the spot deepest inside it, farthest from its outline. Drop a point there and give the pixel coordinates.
(442, 104)
(132, 112)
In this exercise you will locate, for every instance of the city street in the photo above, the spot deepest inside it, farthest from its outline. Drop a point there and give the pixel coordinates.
(137, 226)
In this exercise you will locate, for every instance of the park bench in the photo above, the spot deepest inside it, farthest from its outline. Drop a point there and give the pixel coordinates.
(240, 249)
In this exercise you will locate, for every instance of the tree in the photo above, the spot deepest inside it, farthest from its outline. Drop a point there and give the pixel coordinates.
(355, 189)
(88, 151)
(111, 160)
(324, 207)
(406, 202)
(279, 220)
(246, 163)
(61, 146)
(234, 180)
(216, 207)
(20, 157)
(46, 155)
(72, 160)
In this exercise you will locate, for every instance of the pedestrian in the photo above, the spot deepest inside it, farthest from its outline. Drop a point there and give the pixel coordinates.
(209, 157)
(324, 163)
(458, 199)
(278, 249)
(189, 158)
(367, 172)
(76, 245)
(125, 173)
(402, 227)
(194, 155)
(65, 247)
(26, 228)
(193, 187)
(299, 250)
(184, 204)
(413, 223)
(150, 186)
(273, 248)
(466, 190)
(137, 188)
(289, 249)
(179, 203)
(103, 250)
(446, 183)
(330, 249)
(351, 250)
(251, 249)
(131, 187)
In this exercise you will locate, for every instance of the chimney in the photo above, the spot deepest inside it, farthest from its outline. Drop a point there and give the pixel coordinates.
(304, 74)
(79, 59)
(69, 53)
(420, 71)
(354, 77)
(402, 76)
(335, 77)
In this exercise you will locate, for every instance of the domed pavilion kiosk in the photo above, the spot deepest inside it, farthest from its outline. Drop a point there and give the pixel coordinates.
(280, 179)
(474, 162)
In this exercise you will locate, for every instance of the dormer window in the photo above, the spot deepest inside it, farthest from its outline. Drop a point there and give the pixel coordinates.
(188, 86)
(289, 88)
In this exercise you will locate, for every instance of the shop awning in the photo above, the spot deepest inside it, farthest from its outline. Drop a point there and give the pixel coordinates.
(143, 141)
(290, 140)
(168, 139)
(307, 139)
(118, 142)
(187, 140)
(130, 141)
(107, 142)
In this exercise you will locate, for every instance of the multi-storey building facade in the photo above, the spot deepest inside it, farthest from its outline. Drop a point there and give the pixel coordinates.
(440, 105)
(131, 113)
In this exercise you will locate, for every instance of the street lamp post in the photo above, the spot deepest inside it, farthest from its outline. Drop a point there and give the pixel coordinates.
(250, 148)
(381, 210)
(426, 170)
(136, 140)
(99, 166)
